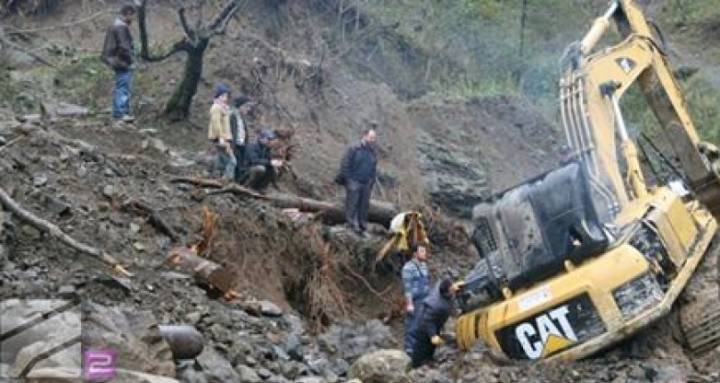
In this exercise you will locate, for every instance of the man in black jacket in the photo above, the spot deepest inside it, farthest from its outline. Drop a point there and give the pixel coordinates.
(429, 322)
(357, 174)
(119, 53)
(259, 162)
(239, 130)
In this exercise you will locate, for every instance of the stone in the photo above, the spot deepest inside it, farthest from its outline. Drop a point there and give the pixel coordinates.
(148, 131)
(311, 379)
(81, 171)
(134, 228)
(56, 206)
(155, 143)
(66, 291)
(138, 246)
(62, 109)
(18, 351)
(247, 374)
(31, 232)
(127, 376)
(217, 368)
(39, 180)
(108, 191)
(264, 373)
(383, 366)
(270, 309)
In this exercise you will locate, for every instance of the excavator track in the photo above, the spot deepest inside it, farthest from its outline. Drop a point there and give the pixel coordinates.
(699, 313)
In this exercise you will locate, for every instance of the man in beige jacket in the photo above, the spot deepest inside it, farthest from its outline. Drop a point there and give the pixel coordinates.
(219, 132)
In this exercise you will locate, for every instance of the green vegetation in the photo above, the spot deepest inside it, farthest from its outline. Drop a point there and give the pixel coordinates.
(493, 52)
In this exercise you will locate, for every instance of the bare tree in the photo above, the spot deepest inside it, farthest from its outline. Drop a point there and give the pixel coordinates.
(194, 43)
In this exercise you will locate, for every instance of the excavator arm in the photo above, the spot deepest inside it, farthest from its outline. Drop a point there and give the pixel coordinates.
(591, 88)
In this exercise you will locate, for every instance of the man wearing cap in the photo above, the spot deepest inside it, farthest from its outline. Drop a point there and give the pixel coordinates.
(239, 131)
(357, 174)
(119, 54)
(258, 158)
(219, 132)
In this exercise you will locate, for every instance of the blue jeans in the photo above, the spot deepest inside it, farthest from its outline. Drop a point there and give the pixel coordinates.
(411, 325)
(121, 95)
(226, 162)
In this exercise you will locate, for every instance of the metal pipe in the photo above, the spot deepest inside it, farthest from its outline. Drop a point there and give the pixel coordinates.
(185, 341)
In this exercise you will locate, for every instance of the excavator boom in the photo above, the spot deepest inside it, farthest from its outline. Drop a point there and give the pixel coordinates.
(591, 87)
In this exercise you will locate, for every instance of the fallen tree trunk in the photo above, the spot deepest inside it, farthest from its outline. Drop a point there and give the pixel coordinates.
(329, 212)
(56, 232)
(206, 272)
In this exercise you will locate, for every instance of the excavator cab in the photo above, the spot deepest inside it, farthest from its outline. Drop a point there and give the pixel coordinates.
(529, 232)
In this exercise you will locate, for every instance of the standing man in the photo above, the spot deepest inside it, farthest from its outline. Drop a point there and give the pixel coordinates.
(119, 54)
(416, 284)
(426, 329)
(357, 174)
(239, 130)
(219, 132)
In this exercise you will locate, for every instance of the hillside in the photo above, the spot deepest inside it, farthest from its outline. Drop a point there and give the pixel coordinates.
(462, 112)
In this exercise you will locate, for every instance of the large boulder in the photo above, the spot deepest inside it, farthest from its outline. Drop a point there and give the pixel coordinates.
(133, 335)
(384, 366)
(45, 325)
(65, 375)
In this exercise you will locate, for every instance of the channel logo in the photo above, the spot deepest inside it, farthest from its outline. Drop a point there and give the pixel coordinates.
(99, 365)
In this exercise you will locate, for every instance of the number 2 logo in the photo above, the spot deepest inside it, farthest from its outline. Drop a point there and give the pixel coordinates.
(99, 365)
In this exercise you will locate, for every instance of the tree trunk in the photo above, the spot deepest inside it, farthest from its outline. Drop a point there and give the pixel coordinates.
(178, 107)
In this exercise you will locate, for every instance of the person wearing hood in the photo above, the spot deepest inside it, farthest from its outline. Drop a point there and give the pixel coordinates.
(119, 54)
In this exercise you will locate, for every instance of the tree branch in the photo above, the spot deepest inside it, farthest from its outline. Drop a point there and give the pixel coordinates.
(220, 23)
(56, 232)
(180, 46)
(189, 33)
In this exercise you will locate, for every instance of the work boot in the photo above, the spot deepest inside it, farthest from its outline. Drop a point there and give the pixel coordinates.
(128, 118)
(363, 234)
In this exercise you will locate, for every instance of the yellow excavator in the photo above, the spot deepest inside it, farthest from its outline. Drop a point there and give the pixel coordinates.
(584, 256)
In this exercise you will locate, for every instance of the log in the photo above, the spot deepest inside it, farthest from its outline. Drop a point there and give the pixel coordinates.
(330, 212)
(205, 271)
(57, 233)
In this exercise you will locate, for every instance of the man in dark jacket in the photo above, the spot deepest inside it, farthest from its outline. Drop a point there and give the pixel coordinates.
(119, 53)
(357, 174)
(259, 162)
(429, 322)
(239, 130)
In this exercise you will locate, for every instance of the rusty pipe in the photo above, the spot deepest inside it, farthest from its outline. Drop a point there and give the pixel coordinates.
(185, 341)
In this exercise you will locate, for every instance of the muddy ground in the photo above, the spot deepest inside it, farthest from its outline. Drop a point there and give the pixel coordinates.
(80, 173)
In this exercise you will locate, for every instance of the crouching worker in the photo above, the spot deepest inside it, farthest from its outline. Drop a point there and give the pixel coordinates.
(262, 168)
(429, 322)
